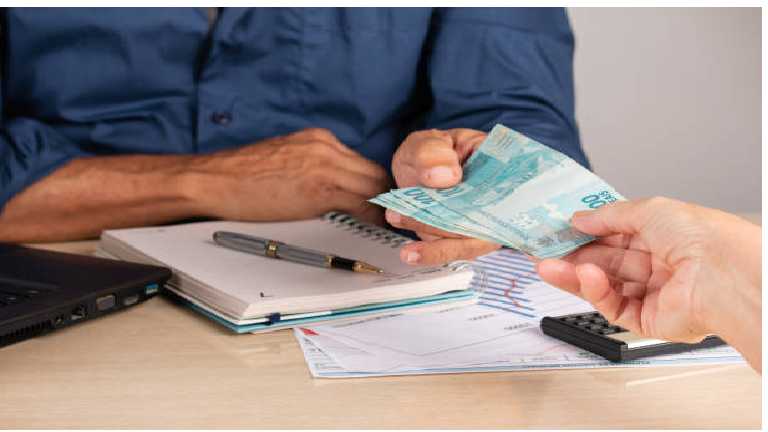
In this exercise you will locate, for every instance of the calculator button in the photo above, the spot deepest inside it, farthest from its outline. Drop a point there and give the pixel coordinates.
(583, 323)
(570, 318)
(595, 327)
(607, 331)
(599, 320)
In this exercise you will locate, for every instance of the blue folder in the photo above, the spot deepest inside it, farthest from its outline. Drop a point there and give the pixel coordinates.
(277, 321)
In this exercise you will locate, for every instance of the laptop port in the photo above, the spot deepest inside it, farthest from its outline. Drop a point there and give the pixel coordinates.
(131, 300)
(105, 303)
(151, 289)
(78, 313)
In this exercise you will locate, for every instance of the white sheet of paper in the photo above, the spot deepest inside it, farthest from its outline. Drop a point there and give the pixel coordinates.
(423, 334)
(500, 333)
(323, 362)
(455, 328)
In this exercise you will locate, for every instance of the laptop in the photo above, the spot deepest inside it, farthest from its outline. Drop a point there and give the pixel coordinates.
(42, 291)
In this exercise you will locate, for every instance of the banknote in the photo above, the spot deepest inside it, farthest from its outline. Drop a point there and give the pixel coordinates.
(515, 191)
(436, 216)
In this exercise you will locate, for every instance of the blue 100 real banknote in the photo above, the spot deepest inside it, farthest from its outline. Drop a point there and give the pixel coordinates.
(516, 192)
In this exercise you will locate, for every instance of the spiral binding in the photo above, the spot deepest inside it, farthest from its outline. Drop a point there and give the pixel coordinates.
(366, 230)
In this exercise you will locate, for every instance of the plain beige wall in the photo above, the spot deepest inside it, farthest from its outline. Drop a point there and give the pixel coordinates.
(668, 101)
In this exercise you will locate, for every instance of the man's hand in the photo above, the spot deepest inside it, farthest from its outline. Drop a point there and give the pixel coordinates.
(297, 176)
(434, 158)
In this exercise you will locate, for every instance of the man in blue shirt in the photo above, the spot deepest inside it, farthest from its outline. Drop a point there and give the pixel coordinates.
(126, 117)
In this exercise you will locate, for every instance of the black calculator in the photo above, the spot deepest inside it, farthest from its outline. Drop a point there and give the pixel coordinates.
(592, 332)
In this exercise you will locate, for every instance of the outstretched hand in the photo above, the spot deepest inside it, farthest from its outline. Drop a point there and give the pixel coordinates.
(657, 268)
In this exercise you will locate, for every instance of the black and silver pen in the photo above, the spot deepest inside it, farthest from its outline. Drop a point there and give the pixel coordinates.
(280, 250)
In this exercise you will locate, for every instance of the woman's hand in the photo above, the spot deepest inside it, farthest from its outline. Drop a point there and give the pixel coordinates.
(669, 270)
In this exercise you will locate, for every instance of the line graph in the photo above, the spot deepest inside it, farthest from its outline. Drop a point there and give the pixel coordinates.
(507, 280)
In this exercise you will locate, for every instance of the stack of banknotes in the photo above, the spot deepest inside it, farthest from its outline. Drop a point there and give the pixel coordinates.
(515, 192)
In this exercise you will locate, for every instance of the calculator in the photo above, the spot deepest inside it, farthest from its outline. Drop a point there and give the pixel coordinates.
(592, 332)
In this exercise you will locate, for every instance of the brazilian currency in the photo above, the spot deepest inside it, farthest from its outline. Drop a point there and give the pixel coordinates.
(515, 192)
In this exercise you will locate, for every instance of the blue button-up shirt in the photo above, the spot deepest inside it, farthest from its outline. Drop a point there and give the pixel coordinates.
(89, 82)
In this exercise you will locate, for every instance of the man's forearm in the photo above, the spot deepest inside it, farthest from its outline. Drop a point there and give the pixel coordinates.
(91, 194)
(295, 176)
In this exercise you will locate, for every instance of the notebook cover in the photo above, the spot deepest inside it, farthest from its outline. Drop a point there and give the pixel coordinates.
(463, 296)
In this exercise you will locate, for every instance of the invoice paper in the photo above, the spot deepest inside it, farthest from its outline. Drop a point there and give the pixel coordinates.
(501, 332)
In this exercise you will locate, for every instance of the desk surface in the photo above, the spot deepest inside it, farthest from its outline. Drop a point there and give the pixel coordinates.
(160, 365)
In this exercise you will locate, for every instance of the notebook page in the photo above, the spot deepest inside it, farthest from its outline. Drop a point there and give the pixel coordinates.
(258, 285)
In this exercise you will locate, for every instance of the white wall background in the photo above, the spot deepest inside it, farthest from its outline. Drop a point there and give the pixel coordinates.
(668, 101)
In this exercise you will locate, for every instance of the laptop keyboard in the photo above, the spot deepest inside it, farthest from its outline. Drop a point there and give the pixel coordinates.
(13, 293)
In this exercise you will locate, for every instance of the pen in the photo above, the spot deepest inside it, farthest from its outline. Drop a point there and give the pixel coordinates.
(279, 250)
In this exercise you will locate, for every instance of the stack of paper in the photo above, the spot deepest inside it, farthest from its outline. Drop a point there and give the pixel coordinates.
(500, 333)
(252, 293)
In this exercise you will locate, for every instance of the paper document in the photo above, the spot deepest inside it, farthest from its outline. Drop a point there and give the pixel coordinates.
(322, 365)
(499, 333)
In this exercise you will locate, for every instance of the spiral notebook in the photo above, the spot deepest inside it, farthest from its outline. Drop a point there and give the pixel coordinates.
(248, 293)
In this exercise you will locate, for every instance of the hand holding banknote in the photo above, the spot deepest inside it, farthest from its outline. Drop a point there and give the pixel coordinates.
(668, 270)
(434, 159)
(508, 190)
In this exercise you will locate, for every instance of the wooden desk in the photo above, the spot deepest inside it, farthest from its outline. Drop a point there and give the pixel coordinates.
(160, 365)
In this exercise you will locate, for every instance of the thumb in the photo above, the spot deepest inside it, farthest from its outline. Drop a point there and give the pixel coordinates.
(625, 217)
(427, 158)
(466, 141)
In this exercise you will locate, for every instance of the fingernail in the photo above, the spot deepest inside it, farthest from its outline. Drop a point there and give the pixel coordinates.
(441, 174)
(410, 256)
(581, 214)
(392, 216)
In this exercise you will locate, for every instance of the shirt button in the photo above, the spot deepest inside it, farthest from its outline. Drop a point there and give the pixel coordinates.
(221, 118)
